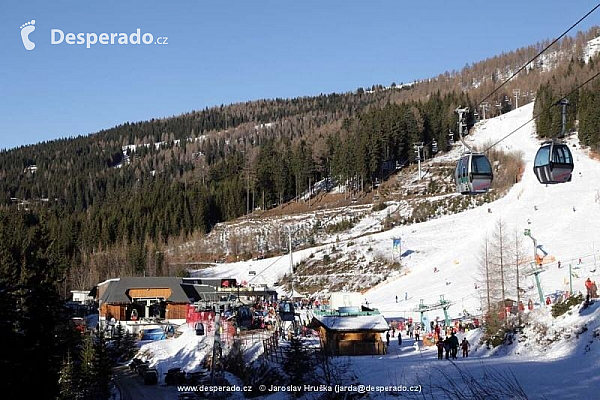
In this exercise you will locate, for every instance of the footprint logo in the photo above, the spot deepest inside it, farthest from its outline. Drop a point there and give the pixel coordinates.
(26, 29)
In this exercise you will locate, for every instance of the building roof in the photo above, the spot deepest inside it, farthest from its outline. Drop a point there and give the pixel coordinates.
(116, 292)
(353, 323)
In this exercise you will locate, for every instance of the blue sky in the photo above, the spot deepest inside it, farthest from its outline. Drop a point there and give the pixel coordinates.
(220, 52)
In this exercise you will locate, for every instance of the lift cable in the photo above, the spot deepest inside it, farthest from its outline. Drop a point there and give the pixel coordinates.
(545, 110)
(539, 54)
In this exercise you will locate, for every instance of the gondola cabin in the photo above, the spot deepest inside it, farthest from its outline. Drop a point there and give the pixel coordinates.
(286, 311)
(553, 163)
(244, 317)
(473, 174)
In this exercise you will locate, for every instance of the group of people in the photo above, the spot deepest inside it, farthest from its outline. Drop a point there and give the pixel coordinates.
(450, 345)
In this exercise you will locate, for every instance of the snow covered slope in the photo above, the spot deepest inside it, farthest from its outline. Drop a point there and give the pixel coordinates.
(553, 358)
(564, 218)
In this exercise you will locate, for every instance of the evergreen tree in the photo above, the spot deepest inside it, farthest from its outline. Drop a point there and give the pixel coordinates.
(102, 368)
(67, 380)
(87, 373)
(298, 363)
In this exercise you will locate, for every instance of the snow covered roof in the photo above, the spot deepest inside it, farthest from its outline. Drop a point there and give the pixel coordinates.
(116, 292)
(353, 323)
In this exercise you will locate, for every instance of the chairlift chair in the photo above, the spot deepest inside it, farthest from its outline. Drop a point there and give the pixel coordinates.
(473, 174)
(553, 163)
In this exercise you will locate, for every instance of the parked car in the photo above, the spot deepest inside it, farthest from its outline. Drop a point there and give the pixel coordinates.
(151, 376)
(175, 376)
(153, 334)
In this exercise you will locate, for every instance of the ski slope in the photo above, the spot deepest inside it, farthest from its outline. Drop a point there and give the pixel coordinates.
(554, 357)
(564, 218)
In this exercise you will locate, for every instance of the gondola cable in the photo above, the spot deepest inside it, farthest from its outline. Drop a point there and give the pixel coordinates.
(543, 111)
(539, 54)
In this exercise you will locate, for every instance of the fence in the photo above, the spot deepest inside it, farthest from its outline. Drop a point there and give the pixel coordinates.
(271, 348)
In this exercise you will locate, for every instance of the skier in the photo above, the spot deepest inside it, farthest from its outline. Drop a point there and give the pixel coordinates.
(447, 347)
(417, 333)
(588, 286)
(465, 347)
(399, 338)
(559, 264)
(453, 344)
(405, 295)
(440, 347)
(387, 338)
(393, 331)
(396, 298)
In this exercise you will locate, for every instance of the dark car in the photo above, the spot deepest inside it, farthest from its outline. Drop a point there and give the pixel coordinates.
(150, 376)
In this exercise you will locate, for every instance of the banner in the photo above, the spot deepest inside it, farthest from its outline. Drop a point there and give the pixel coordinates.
(396, 245)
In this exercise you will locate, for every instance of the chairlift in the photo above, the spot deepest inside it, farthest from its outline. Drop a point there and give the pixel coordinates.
(286, 311)
(434, 147)
(553, 163)
(473, 174)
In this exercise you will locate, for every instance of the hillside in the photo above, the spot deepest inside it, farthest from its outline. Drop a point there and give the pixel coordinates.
(563, 218)
(99, 192)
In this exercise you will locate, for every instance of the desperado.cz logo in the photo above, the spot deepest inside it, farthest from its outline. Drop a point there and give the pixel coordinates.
(57, 36)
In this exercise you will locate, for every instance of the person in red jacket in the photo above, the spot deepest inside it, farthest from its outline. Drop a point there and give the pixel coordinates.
(588, 286)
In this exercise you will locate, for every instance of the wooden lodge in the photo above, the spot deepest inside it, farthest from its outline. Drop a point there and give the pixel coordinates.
(351, 333)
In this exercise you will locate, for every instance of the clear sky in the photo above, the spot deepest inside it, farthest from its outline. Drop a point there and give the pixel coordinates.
(225, 51)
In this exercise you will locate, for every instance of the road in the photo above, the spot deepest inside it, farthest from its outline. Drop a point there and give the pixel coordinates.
(132, 387)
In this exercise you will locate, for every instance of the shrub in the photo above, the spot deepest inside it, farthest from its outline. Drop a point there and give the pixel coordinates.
(379, 206)
(562, 307)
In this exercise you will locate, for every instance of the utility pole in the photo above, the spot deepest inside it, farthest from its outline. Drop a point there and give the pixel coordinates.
(570, 280)
(461, 120)
(418, 147)
(291, 261)
(564, 103)
(462, 124)
(484, 107)
(536, 270)
(517, 93)
(247, 189)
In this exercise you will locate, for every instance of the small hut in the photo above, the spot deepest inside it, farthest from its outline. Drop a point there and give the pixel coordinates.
(350, 332)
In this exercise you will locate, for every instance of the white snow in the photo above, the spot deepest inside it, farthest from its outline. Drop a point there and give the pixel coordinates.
(554, 357)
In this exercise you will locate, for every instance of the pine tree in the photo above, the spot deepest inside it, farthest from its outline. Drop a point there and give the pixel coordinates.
(128, 346)
(298, 363)
(67, 380)
(87, 374)
(102, 367)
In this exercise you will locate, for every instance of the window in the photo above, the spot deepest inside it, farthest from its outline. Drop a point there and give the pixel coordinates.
(542, 156)
(481, 165)
(561, 154)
